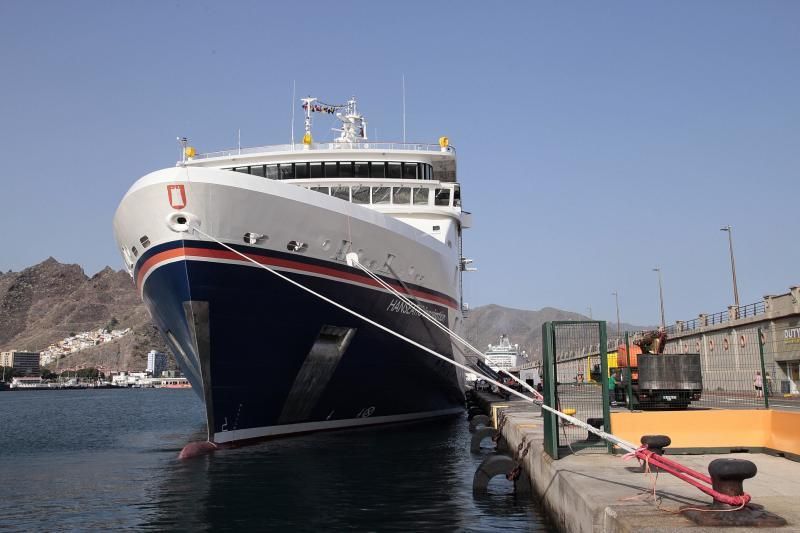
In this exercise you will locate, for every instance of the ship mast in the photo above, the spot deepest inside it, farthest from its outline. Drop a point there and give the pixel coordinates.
(354, 125)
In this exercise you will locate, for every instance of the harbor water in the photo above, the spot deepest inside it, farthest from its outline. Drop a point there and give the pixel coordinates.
(102, 459)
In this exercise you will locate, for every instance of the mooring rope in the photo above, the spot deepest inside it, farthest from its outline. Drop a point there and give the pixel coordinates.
(676, 469)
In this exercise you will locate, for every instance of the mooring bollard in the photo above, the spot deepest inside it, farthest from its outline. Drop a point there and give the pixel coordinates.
(478, 420)
(655, 444)
(596, 423)
(727, 477)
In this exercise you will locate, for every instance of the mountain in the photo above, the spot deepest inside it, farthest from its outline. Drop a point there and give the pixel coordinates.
(485, 324)
(50, 301)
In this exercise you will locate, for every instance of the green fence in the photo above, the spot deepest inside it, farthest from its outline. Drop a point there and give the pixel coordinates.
(568, 385)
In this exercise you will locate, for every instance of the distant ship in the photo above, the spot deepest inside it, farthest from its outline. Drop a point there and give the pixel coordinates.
(502, 356)
(268, 357)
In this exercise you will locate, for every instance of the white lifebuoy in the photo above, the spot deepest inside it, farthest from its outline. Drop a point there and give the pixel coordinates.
(725, 343)
(711, 345)
(742, 341)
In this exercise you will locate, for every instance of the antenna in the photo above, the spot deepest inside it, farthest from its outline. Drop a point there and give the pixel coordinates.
(294, 89)
(404, 108)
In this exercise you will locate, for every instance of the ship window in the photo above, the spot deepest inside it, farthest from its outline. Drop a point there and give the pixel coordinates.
(380, 195)
(457, 196)
(401, 195)
(145, 240)
(409, 171)
(135, 251)
(331, 170)
(246, 170)
(360, 194)
(377, 170)
(421, 195)
(315, 170)
(257, 170)
(301, 171)
(341, 192)
(346, 169)
(395, 171)
(323, 190)
(287, 171)
(362, 170)
(272, 172)
(442, 196)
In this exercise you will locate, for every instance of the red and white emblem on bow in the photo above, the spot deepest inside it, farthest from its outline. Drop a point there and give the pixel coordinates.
(177, 196)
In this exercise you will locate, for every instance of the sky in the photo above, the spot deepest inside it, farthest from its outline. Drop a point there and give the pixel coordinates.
(595, 140)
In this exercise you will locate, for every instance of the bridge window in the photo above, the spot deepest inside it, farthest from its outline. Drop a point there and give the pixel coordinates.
(257, 170)
(246, 170)
(409, 171)
(442, 196)
(377, 170)
(421, 195)
(395, 171)
(401, 195)
(342, 192)
(381, 195)
(360, 194)
(300, 171)
(286, 171)
(331, 170)
(345, 169)
(272, 172)
(315, 170)
(362, 169)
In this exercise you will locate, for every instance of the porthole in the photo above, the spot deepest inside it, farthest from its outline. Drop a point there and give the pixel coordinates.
(134, 251)
(296, 246)
(145, 241)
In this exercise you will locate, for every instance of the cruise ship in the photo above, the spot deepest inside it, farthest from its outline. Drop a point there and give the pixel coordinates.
(291, 281)
(502, 356)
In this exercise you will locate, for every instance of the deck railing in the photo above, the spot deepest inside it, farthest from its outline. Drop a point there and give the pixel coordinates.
(300, 147)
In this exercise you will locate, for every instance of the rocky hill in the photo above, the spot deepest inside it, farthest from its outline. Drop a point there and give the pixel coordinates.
(485, 324)
(50, 301)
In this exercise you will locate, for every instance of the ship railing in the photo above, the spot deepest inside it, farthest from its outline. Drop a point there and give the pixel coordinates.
(386, 193)
(299, 147)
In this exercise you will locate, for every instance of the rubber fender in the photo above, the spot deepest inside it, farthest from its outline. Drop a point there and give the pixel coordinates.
(498, 465)
(473, 412)
(479, 420)
(478, 436)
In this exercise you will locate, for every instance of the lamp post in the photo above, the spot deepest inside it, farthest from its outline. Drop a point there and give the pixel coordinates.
(615, 294)
(729, 230)
(661, 297)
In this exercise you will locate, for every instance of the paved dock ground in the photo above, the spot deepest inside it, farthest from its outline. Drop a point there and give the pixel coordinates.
(597, 492)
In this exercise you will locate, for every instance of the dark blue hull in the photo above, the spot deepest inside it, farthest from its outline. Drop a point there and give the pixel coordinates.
(269, 358)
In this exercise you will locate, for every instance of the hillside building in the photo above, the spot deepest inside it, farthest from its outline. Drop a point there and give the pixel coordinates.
(156, 363)
(26, 363)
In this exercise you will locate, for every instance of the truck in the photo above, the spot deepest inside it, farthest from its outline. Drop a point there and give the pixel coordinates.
(658, 380)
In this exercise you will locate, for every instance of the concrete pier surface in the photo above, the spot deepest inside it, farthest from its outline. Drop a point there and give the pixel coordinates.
(592, 491)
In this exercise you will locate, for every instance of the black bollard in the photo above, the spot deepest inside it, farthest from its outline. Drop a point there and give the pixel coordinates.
(727, 477)
(655, 444)
(596, 423)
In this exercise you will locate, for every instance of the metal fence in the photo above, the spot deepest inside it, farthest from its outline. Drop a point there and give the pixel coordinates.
(782, 364)
(568, 385)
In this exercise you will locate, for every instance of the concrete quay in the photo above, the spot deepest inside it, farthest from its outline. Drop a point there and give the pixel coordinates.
(592, 491)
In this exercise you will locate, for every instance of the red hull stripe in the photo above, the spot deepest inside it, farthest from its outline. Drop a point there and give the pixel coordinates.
(188, 253)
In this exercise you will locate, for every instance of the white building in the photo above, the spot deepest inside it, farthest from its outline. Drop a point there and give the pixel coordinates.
(156, 363)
